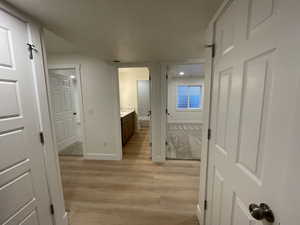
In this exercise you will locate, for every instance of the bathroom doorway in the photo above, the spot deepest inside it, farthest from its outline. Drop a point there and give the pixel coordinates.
(135, 112)
(66, 109)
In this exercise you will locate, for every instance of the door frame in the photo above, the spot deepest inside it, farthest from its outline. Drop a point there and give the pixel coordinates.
(39, 62)
(155, 155)
(75, 67)
(164, 96)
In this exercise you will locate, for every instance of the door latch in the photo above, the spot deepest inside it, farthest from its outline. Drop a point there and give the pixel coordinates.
(261, 212)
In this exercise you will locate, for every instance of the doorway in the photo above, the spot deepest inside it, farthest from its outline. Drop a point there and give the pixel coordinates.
(135, 112)
(66, 109)
(185, 91)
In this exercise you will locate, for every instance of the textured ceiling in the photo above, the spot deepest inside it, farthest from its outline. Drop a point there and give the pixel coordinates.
(128, 30)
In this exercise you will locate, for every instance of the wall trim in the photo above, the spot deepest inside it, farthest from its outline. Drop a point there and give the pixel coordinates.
(117, 116)
(101, 156)
(53, 167)
(198, 213)
(65, 220)
(185, 121)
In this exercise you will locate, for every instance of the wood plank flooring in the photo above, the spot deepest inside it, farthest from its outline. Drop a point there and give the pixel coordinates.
(134, 191)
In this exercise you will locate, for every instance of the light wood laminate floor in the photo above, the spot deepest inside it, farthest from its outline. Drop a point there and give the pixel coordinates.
(134, 191)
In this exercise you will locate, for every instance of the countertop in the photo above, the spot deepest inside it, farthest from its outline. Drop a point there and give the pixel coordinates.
(126, 113)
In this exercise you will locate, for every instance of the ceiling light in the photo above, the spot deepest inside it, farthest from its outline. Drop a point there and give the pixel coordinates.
(73, 77)
(181, 73)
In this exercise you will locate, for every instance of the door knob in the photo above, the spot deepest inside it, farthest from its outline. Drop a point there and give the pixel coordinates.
(261, 212)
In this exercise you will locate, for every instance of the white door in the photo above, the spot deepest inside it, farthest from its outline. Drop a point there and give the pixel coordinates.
(248, 90)
(24, 195)
(143, 87)
(62, 102)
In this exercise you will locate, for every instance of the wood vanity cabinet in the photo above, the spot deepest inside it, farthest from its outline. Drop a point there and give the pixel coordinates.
(128, 127)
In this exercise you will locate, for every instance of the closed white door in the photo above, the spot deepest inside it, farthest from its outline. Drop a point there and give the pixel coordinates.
(143, 87)
(63, 106)
(247, 96)
(24, 195)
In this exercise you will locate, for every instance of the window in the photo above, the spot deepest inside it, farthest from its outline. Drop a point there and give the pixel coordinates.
(189, 97)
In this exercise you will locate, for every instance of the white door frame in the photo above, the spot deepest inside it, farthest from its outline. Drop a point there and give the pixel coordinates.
(164, 96)
(35, 35)
(75, 67)
(156, 156)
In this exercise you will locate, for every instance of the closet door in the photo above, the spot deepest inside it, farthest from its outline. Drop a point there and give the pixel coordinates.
(23, 186)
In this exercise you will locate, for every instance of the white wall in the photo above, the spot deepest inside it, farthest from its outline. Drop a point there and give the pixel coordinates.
(128, 78)
(179, 115)
(99, 104)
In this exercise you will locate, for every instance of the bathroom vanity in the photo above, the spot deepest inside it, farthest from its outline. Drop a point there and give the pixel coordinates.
(127, 125)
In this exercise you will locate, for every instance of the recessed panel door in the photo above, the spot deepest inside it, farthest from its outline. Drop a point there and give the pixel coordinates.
(63, 106)
(244, 83)
(24, 195)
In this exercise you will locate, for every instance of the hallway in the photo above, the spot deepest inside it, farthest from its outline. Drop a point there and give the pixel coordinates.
(133, 191)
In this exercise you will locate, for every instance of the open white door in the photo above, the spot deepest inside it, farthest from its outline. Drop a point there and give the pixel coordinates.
(143, 88)
(62, 101)
(250, 89)
(23, 186)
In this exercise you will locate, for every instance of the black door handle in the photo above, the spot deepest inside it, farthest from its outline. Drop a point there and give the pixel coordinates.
(261, 212)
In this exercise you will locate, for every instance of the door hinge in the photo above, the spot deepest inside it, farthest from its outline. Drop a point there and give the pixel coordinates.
(209, 134)
(31, 48)
(42, 139)
(52, 209)
(205, 204)
(213, 49)
(167, 76)
(166, 143)
(150, 144)
(167, 112)
(149, 77)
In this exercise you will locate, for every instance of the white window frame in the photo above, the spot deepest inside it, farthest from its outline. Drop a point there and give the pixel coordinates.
(188, 108)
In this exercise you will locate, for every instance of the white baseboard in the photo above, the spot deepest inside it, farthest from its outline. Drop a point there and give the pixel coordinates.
(62, 146)
(144, 118)
(186, 121)
(199, 214)
(158, 158)
(65, 220)
(101, 156)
